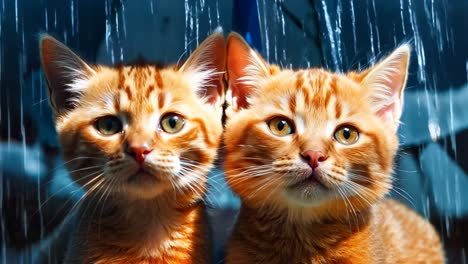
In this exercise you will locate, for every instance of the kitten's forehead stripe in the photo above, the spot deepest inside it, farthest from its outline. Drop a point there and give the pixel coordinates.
(306, 91)
(292, 104)
(337, 110)
(128, 92)
(329, 91)
(318, 90)
(141, 77)
(121, 77)
(138, 78)
(161, 100)
(132, 79)
(149, 90)
(130, 70)
(117, 103)
(299, 80)
(158, 78)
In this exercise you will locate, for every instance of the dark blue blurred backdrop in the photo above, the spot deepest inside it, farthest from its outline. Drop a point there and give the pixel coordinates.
(339, 35)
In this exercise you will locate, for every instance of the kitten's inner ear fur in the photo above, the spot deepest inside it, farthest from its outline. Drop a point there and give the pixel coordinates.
(206, 66)
(385, 83)
(66, 74)
(246, 71)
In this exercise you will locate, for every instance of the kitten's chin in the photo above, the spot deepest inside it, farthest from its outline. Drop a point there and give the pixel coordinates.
(143, 178)
(308, 195)
(144, 185)
(146, 191)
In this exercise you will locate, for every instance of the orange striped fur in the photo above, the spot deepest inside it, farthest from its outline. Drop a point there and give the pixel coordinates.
(131, 213)
(334, 210)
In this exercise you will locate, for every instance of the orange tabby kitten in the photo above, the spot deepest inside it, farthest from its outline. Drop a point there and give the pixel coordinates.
(140, 140)
(310, 153)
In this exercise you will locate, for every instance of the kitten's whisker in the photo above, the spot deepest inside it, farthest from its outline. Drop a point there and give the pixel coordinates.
(356, 189)
(401, 192)
(175, 188)
(277, 186)
(240, 179)
(264, 183)
(188, 164)
(69, 172)
(85, 168)
(359, 188)
(75, 206)
(64, 205)
(195, 188)
(86, 195)
(224, 172)
(253, 172)
(193, 185)
(79, 158)
(256, 147)
(256, 169)
(107, 193)
(353, 210)
(49, 197)
(255, 158)
(343, 197)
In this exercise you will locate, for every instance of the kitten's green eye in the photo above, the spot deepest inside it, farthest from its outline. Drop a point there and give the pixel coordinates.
(281, 126)
(108, 125)
(346, 135)
(172, 123)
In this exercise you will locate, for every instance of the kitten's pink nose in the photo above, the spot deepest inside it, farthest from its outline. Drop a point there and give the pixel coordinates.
(139, 152)
(314, 158)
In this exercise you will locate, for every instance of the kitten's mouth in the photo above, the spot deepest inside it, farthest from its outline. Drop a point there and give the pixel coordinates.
(142, 176)
(311, 181)
(309, 191)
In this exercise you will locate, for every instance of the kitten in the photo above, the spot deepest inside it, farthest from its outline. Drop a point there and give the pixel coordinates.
(310, 153)
(140, 140)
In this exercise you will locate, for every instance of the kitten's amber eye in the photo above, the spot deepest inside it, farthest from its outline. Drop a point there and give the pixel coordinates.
(108, 125)
(346, 135)
(281, 126)
(172, 123)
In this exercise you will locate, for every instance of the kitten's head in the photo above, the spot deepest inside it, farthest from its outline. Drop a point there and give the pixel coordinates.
(139, 131)
(311, 142)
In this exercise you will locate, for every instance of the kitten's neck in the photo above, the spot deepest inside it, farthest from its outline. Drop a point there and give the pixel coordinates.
(127, 210)
(141, 228)
(287, 240)
(120, 218)
(318, 233)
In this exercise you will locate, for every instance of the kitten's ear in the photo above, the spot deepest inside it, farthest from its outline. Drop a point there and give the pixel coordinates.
(66, 74)
(385, 83)
(206, 66)
(246, 70)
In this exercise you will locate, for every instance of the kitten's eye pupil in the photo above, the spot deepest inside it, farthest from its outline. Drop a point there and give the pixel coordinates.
(108, 124)
(281, 125)
(172, 123)
(346, 133)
